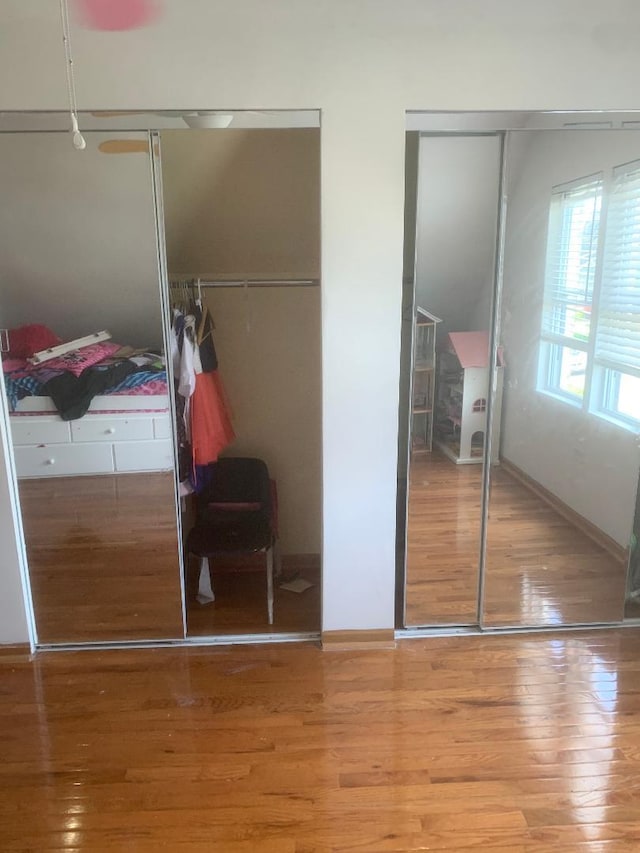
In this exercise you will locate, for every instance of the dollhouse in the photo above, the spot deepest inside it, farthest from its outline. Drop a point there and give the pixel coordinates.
(462, 392)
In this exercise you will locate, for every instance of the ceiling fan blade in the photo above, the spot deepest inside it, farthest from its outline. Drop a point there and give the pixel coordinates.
(124, 146)
(114, 113)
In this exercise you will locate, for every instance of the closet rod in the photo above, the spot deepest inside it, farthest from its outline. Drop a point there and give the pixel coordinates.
(298, 282)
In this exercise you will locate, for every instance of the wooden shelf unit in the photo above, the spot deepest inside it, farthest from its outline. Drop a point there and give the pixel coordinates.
(423, 380)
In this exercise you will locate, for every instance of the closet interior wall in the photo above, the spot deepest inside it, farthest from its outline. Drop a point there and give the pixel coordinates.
(243, 206)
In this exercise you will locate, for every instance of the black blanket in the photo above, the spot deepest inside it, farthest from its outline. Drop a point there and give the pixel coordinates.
(72, 395)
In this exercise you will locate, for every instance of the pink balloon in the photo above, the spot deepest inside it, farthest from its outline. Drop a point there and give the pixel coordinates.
(117, 14)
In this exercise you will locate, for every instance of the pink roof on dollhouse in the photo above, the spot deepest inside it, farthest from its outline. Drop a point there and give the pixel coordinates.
(472, 348)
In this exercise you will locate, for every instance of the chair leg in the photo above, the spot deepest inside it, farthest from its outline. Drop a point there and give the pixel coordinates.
(277, 557)
(205, 587)
(270, 584)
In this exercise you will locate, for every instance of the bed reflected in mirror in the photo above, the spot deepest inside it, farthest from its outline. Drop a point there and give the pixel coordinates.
(86, 384)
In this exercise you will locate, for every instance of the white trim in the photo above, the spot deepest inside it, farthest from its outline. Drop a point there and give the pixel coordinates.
(16, 514)
(187, 642)
(157, 200)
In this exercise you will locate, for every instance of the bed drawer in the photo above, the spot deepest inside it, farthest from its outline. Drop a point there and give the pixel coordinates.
(63, 460)
(162, 426)
(34, 430)
(144, 455)
(111, 429)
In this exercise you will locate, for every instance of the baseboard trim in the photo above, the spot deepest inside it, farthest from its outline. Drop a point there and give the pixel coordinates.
(620, 554)
(339, 641)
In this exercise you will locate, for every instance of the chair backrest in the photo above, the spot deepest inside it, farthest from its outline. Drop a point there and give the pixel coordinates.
(239, 484)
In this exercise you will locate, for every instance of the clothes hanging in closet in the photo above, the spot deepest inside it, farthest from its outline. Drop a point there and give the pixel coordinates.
(204, 422)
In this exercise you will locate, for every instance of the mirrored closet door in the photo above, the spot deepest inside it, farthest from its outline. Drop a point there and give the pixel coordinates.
(548, 534)
(456, 222)
(565, 474)
(84, 369)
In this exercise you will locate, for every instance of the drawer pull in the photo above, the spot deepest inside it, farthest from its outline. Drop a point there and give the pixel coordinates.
(50, 461)
(110, 431)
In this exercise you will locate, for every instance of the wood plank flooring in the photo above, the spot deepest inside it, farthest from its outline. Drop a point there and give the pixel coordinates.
(526, 744)
(541, 570)
(103, 562)
(241, 600)
(443, 541)
(103, 557)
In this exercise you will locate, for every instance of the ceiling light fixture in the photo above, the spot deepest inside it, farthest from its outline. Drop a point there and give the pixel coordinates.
(207, 120)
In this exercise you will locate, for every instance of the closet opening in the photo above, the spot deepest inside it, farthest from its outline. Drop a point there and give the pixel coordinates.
(241, 209)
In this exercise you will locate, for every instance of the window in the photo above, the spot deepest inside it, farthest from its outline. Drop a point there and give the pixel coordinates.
(572, 248)
(480, 405)
(590, 338)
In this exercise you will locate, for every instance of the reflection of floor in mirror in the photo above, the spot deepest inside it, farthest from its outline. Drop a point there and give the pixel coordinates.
(443, 541)
(241, 600)
(541, 569)
(103, 557)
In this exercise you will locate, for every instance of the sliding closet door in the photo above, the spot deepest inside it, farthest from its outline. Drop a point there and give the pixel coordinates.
(92, 433)
(567, 411)
(457, 206)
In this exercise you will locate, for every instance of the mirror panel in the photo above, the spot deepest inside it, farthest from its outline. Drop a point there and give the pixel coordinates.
(564, 477)
(91, 430)
(457, 204)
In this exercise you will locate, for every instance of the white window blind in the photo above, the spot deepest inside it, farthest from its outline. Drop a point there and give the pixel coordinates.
(618, 326)
(572, 246)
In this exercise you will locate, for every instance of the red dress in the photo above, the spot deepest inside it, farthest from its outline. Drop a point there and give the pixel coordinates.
(211, 429)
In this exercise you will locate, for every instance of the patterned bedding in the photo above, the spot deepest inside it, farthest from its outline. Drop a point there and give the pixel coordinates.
(73, 391)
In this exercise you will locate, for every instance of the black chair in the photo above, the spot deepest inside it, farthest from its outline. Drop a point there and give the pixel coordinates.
(235, 515)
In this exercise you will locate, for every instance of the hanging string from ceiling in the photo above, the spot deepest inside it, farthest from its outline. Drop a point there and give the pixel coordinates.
(78, 139)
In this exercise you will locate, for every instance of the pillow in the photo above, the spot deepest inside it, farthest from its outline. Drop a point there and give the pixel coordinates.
(9, 365)
(26, 340)
(78, 360)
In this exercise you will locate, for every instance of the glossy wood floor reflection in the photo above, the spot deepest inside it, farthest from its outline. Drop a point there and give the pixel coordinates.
(541, 570)
(103, 557)
(443, 541)
(511, 743)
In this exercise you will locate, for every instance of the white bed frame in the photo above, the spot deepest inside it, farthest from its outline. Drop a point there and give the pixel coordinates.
(119, 433)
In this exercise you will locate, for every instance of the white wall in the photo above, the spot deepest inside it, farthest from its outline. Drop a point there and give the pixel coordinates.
(242, 202)
(363, 64)
(456, 234)
(590, 464)
(77, 239)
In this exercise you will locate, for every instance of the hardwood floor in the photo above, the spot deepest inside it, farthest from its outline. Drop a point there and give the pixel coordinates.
(240, 606)
(103, 563)
(541, 570)
(103, 557)
(526, 744)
